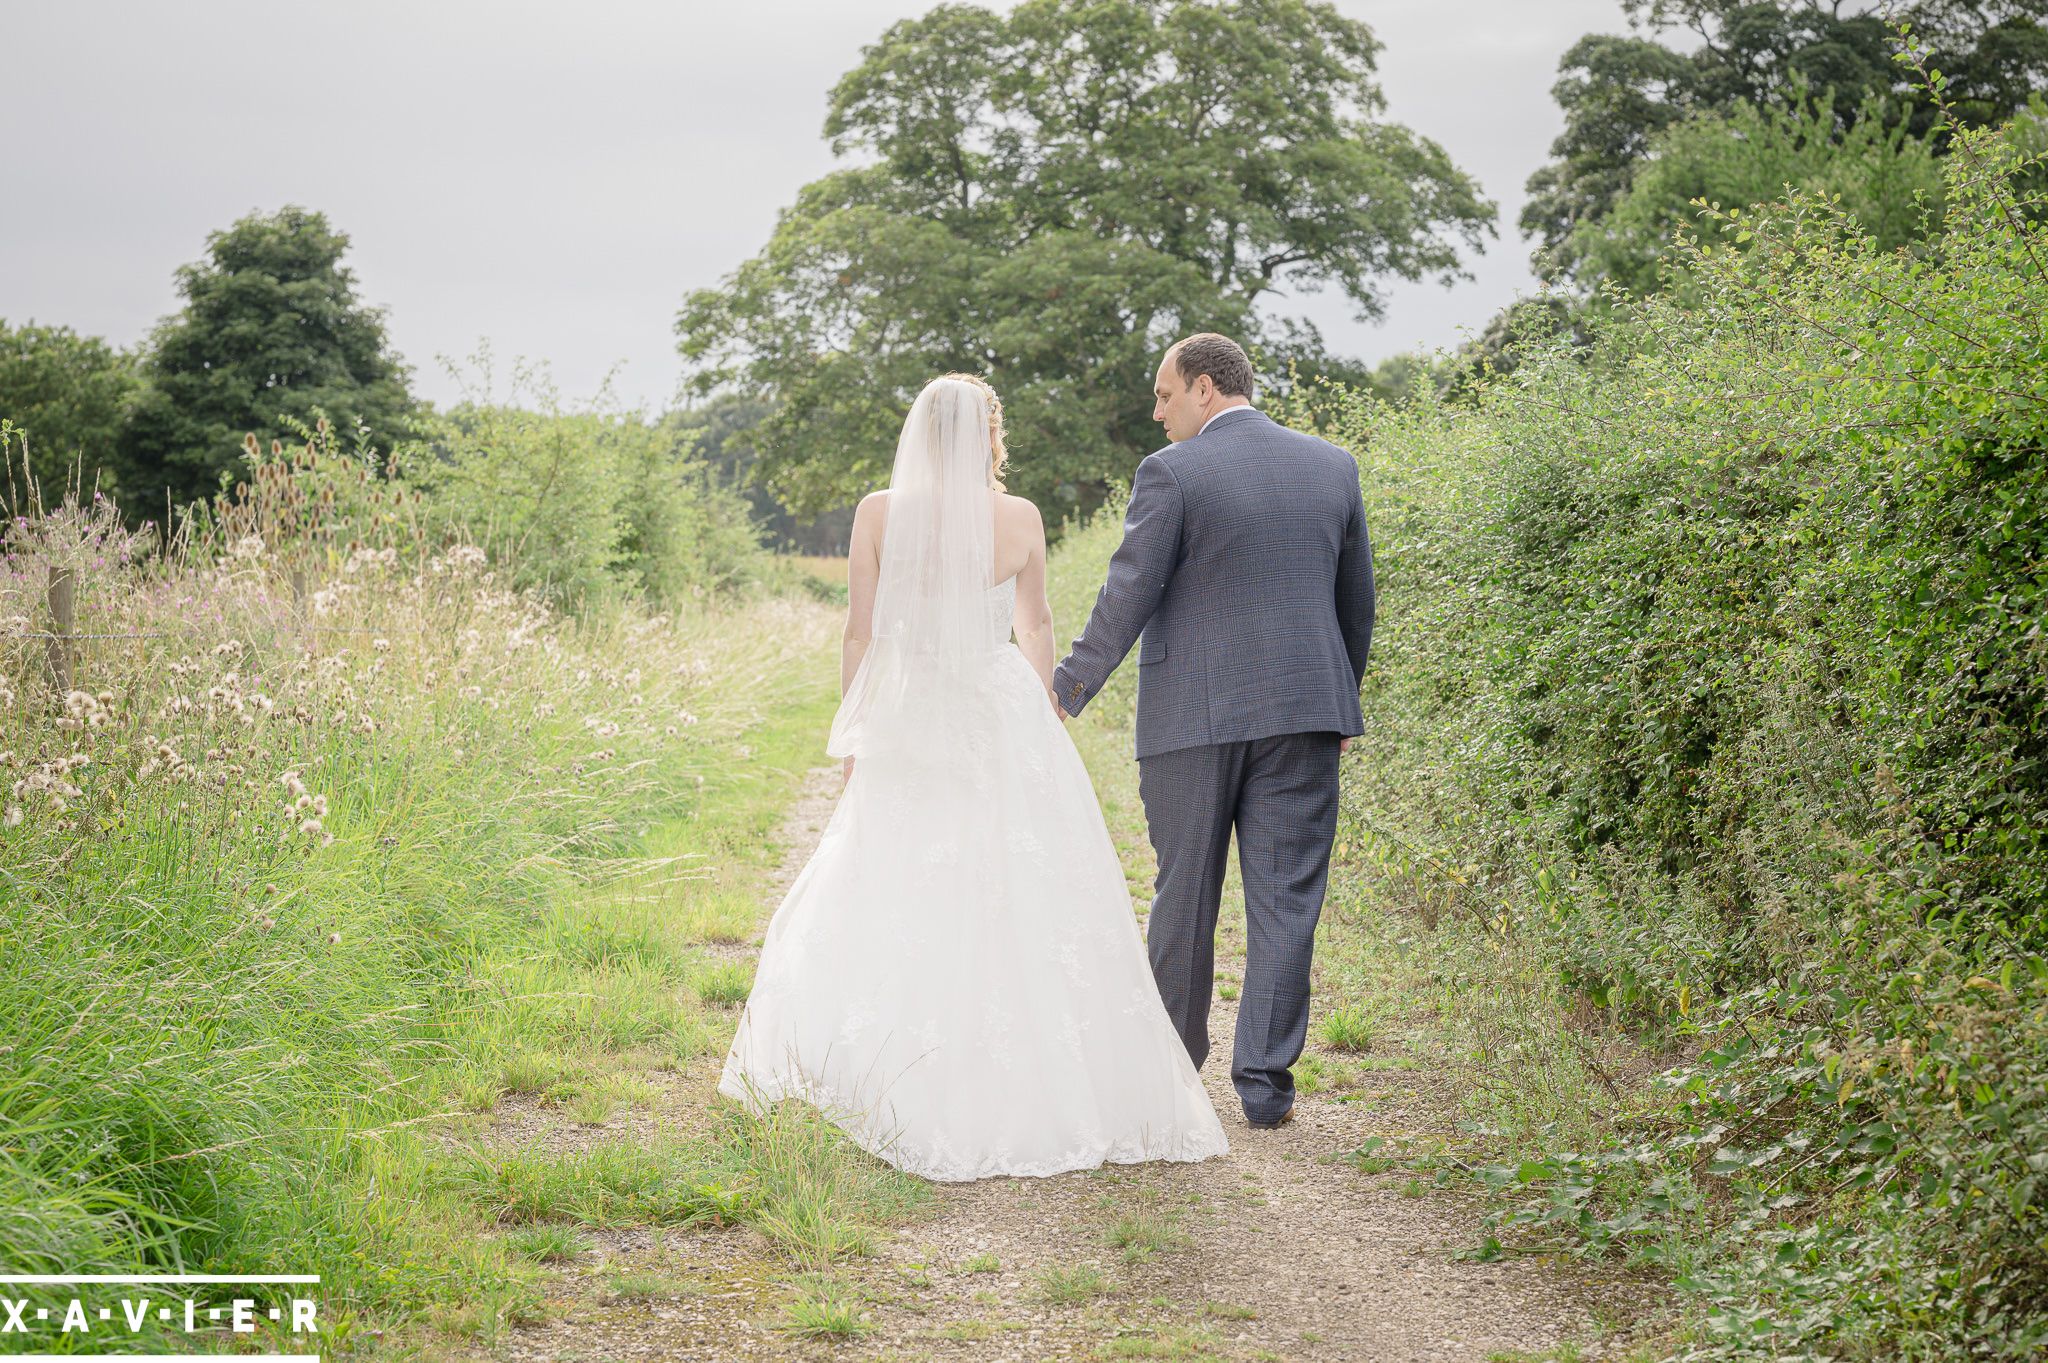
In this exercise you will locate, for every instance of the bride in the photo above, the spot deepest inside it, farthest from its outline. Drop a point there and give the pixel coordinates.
(956, 977)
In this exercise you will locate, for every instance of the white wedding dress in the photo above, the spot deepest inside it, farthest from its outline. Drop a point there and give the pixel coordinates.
(956, 978)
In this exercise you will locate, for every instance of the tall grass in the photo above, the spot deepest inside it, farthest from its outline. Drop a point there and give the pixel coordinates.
(285, 880)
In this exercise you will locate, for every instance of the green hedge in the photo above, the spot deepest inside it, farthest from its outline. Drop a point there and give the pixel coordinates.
(1712, 657)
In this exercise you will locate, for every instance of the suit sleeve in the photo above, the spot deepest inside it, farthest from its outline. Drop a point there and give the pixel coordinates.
(1138, 573)
(1355, 593)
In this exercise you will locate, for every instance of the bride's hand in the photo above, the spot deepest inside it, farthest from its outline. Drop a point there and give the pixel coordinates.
(846, 770)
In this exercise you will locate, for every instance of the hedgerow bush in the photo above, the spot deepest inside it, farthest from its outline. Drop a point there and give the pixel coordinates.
(1712, 659)
(582, 502)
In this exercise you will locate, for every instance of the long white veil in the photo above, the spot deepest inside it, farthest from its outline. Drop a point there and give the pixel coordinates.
(931, 611)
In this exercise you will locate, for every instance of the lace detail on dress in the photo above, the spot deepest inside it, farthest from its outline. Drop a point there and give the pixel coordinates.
(1002, 610)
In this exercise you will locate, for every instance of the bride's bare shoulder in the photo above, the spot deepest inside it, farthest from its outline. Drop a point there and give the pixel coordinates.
(1021, 510)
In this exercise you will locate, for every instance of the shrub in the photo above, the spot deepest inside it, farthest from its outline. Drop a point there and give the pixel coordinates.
(577, 502)
(1710, 658)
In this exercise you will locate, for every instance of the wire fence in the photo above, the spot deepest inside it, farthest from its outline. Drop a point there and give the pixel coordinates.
(191, 633)
(61, 641)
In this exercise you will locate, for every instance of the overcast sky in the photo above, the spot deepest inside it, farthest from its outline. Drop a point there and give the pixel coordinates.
(554, 177)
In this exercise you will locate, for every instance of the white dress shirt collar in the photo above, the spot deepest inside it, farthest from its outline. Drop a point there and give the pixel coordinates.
(1241, 407)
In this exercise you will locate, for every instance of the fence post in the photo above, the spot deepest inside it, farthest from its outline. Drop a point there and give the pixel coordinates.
(63, 618)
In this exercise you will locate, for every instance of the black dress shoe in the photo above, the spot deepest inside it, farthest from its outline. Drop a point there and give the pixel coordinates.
(1278, 1122)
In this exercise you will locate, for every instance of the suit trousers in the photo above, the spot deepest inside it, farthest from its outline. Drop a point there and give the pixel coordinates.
(1280, 796)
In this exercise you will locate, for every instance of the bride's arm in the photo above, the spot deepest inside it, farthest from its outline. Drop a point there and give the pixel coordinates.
(863, 567)
(1033, 621)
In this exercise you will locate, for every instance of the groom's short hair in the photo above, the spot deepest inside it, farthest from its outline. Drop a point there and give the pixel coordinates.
(1221, 358)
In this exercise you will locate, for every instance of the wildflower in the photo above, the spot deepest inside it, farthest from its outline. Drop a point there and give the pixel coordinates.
(310, 827)
(381, 645)
(248, 547)
(334, 939)
(83, 710)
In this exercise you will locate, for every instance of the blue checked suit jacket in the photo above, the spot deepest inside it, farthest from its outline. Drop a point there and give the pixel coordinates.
(1246, 566)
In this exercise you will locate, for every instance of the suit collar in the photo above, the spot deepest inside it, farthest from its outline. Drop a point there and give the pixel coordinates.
(1228, 414)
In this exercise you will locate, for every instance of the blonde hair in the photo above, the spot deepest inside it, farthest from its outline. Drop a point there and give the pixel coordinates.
(1001, 456)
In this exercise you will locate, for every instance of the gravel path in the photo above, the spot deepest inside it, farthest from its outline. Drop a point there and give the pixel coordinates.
(1281, 1249)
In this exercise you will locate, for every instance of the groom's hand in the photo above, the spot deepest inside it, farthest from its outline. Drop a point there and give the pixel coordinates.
(1343, 745)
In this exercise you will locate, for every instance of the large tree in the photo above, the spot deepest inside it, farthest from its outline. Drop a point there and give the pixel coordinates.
(271, 330)
(70, 394)
(1621, 94)
(1047, 198)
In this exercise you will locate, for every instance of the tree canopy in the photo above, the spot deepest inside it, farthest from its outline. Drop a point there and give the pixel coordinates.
(70, 394)
(271, 330)
(1622, 94)
(1050, 197)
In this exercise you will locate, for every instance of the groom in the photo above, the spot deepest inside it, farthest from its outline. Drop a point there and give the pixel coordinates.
(1246, 565)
